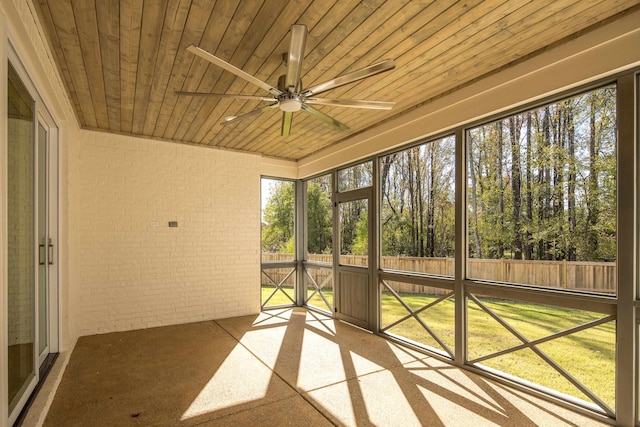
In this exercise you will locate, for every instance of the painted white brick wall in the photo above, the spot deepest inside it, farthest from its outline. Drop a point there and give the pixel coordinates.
(133, 274)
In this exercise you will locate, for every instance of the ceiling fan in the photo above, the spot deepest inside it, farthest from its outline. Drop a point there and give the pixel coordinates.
(289, 96)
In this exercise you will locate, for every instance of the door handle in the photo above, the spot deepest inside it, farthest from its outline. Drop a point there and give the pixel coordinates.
(41, 254)
(50, 252)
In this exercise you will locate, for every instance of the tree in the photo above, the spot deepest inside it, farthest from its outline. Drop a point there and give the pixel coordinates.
(571, 186)
(278, 217)
(360, 244)
(352, 226)
(561, 201)
(319, 217)
(528, 245)
(418, 195)
(475, 221)
(515, 124)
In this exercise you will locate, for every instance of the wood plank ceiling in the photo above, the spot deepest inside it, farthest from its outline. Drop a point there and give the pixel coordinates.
(122, 60)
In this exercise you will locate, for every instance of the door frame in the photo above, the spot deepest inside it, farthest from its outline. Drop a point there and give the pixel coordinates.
(366, 193)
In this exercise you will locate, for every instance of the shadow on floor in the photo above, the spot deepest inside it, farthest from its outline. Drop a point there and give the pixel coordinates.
(283, 367)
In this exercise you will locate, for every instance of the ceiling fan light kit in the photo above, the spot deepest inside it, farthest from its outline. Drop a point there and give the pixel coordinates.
(290, 104)
(289, 97)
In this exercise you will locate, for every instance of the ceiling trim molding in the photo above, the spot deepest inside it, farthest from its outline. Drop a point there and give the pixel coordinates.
(278, 167)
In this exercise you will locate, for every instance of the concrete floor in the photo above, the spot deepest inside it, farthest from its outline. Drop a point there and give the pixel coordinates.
(281, 368)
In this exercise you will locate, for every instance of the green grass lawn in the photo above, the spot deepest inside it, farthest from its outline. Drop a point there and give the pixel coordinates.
(279, 298)
(589, 356)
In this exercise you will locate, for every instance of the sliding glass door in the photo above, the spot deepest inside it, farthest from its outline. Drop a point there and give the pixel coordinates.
(32, 304)
(21, 237)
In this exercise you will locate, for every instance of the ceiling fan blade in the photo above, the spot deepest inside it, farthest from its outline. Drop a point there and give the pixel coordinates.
(256, 112)
(225, 95)
(322, 116)
(287, 118)
(369, 71)
(296, 56)
(352, 103)
(237, 71)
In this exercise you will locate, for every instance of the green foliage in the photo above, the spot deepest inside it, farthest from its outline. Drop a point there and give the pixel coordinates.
(319, 217)
(418, 200)
(542, 184)
(278, 219)
(361, 240)
(353, 227)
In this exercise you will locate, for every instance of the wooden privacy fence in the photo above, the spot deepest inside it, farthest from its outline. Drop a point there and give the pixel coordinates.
(597, 277)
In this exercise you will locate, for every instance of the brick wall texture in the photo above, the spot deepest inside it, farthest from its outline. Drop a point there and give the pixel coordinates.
(132, 270)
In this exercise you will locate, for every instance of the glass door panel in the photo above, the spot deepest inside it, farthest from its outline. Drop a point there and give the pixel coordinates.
(43, 247)
(21, 239)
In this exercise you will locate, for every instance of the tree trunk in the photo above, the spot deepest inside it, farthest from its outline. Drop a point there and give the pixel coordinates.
(386, 163)
(420, 201)
(540, 208)
(546, 184)
(592, 186)
(528, 246)
(412, 202)
(571, 186)
(500, 192)
(431, 236)
(558, 183)
(474, 198)
(514, 130)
